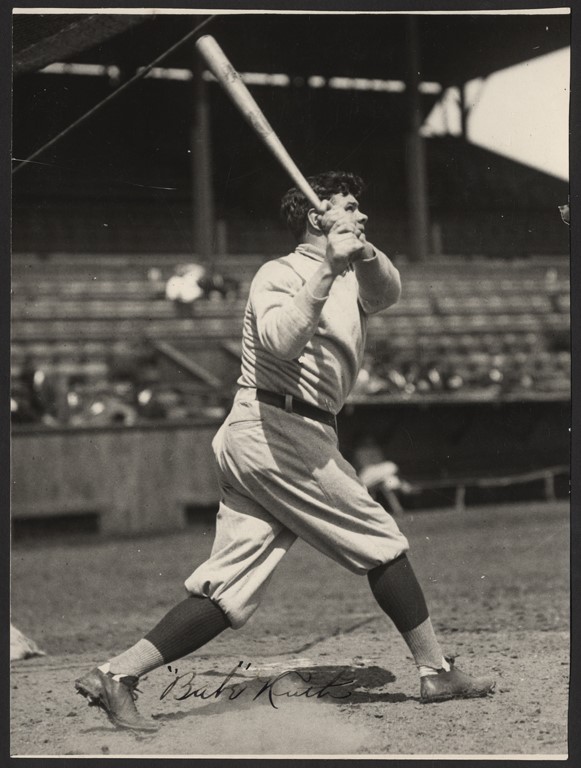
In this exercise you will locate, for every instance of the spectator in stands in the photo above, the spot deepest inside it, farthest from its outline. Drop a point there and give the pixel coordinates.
(21, 411)
(433, 376)
(149, 405)
(35, 395)
(157, 283)
(113, 404)
(565, 214)
(111, 409)
(411, 372)
(454, 380)
(390, 373)
(368, 381)
(215, 285)
(192, 282)
(75, 398)
(518, 377)
(380, 476)
(183, 287)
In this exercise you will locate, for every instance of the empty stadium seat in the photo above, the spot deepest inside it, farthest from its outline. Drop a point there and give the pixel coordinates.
(467, 318)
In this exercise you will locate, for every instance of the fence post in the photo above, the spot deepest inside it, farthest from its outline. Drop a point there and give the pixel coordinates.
(460, 497)
(550, 487)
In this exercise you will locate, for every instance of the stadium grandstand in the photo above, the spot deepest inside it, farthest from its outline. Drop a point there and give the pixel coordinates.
(466, 384)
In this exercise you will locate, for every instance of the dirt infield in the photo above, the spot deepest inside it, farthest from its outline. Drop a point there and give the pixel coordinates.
(497, 582)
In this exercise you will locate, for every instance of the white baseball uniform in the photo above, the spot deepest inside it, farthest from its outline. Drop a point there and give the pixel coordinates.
(281, 474)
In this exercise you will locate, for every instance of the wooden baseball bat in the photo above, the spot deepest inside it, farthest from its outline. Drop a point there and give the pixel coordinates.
(232, 83)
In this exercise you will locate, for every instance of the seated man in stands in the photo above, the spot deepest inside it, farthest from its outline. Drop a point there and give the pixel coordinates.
(35, 395)
(183, 287)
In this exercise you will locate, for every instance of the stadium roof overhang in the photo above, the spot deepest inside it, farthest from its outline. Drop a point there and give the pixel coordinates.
(454, 48)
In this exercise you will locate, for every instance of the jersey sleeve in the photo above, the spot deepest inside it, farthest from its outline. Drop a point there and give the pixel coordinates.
(379, 283)
(286, 313)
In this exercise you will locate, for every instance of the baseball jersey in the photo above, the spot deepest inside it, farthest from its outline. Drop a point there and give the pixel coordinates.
(295, 343)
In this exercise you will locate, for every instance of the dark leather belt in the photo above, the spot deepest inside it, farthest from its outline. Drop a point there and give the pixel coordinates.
(292, 404)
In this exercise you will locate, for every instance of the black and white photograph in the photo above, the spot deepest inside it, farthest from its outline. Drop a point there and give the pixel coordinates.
(290, 383)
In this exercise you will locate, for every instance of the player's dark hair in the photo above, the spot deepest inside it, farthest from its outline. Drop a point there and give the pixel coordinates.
(295, 206)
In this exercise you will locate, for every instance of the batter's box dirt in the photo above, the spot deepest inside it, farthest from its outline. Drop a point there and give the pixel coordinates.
(344, 681)
(367, 707)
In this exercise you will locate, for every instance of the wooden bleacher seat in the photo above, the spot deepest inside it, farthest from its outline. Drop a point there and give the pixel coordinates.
(75, 310)
(69, 310)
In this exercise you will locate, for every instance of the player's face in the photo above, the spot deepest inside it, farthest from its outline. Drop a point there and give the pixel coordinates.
(351, 206)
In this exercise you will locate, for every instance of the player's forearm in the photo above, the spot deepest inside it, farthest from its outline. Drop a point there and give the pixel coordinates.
(379, 280)
(285, 329)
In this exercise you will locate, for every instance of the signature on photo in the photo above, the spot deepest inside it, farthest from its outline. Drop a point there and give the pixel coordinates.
(291, 683)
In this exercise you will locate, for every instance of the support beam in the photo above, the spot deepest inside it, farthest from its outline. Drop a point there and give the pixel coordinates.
(202, 189)
(417, 182)
(464, 111)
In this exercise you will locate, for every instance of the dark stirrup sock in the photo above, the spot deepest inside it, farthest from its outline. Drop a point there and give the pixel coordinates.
(189, 625)
(400, 596)
(186, 627)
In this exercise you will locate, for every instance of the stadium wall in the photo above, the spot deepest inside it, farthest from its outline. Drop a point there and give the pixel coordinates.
(141, 479)
(137, 479)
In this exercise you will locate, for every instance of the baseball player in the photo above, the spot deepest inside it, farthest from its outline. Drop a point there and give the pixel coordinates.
(280, 471)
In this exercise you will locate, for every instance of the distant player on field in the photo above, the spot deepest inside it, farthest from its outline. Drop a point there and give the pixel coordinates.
(281, 473)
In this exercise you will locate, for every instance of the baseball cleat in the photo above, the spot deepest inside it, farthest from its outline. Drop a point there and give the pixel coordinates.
(453, 685)
(116, 698)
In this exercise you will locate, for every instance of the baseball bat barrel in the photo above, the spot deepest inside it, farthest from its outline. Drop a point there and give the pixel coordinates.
(232, 83)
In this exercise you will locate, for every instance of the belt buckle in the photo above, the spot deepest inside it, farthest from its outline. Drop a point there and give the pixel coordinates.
(288, 403)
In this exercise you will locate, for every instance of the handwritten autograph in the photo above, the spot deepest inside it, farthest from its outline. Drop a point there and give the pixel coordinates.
(289, 684)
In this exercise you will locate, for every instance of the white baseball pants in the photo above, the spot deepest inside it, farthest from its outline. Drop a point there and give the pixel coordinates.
(281, 477)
